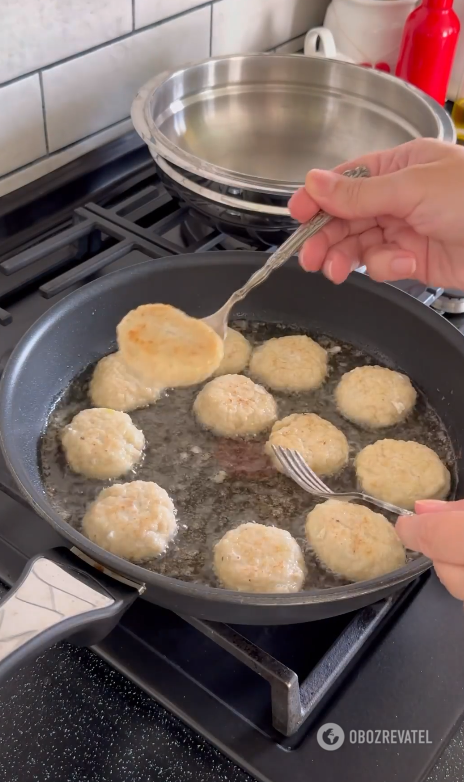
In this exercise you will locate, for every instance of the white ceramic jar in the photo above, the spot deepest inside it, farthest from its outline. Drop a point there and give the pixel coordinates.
(369, 31)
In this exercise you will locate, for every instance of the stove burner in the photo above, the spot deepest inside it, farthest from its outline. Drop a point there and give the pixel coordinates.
(451, 302)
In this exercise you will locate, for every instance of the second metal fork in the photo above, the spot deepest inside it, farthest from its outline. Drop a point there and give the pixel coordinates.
(296, 468)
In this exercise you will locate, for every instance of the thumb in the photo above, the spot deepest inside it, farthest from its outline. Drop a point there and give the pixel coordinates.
(437, 506)
(351, 199)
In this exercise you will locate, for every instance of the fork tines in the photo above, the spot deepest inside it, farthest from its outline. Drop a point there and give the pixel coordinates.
(297, 469)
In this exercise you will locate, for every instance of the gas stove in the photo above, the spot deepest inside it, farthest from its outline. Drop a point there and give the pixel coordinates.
(451, 302)
(259, 694)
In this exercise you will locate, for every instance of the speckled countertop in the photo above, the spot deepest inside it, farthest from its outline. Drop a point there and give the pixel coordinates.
(70, 718)
(451, 764)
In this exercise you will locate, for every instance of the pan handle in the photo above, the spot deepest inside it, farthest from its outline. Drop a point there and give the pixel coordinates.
(58, 596)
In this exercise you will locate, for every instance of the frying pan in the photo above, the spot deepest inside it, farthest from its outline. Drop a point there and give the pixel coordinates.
(82, 593)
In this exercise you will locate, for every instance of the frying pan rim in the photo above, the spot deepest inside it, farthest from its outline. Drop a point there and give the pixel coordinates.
(135, 572)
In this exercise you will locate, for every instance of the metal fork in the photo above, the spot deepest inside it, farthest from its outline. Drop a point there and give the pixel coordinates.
(218, 320)
(296, 468)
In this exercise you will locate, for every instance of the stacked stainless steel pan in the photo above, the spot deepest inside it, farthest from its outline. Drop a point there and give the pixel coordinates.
(234, 136)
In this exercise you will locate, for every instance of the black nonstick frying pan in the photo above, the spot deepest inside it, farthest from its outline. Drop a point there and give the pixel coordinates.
(81, 597)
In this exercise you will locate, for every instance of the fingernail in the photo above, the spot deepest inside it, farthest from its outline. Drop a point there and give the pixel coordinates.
(328, 269)
(403, 267)
(321, 182)
(354, 266)
(429, 506)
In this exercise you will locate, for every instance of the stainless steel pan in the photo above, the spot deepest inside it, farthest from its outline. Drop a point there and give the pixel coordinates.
(260, 121)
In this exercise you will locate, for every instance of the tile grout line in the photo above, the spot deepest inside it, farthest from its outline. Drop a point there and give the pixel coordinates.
(97, 47)
(133, 15)
(52, 155)
(295, 38)
(105, 44)
(211, 31)
(44, 113)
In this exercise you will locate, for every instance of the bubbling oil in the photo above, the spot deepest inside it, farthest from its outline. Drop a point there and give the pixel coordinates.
(217, 484)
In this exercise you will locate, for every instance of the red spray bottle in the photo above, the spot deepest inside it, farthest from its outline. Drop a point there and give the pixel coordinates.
(427, 49)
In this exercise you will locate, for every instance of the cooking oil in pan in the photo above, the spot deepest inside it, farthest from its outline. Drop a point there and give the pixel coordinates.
(217, 484)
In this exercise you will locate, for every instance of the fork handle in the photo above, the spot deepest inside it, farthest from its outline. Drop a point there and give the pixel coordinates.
(289, 247)
(388, 506)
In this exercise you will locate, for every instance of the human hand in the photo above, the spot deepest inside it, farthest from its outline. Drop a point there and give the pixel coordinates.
(404, 222)
(437, 530)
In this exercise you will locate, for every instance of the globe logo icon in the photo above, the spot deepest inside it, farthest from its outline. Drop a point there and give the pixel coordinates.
(330, 736)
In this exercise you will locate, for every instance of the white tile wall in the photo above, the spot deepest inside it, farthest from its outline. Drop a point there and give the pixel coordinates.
(93, 55)
(34, 33)
(22, 123)
(52, 162)
(150, 11)
(295, 45)
(253, 25)
(89, 93)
